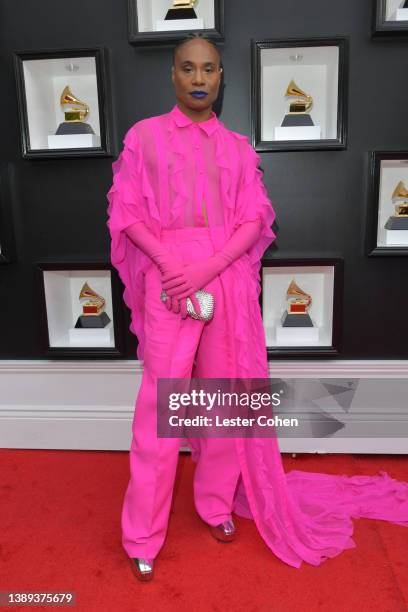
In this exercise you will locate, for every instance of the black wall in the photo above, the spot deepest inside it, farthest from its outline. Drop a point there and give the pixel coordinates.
(319, 196)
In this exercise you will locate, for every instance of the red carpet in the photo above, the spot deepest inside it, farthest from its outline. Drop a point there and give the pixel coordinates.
(60, 531)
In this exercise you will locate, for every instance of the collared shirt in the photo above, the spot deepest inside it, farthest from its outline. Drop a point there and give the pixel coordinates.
(188, 166)
(174, 172)
(200, 168)
(181, 119)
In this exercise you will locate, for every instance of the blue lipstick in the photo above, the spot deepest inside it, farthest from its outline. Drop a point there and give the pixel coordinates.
(198, 94)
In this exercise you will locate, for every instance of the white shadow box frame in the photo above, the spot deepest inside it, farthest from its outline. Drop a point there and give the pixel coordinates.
(41, 77)
(387, 169)
(390, 18)
(60, 305)
(323, 280)
(319, 67)
(147, 23)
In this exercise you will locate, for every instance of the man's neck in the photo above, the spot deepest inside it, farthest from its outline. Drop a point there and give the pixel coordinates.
(196, 116)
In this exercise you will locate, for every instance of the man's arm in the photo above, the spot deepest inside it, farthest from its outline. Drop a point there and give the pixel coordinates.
(198, 274)
(168, 264)
(143, 238)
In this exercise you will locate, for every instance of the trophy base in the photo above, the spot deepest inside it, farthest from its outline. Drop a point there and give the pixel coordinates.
(297, 336)
(293, 120)
(402, 14)
(307, 132)
(296, 320)
(74, 127)
(102, 337)
(93, 321)
(397, 223)
(73, 141)
(395, 238)
(179, 24)
(186, 13)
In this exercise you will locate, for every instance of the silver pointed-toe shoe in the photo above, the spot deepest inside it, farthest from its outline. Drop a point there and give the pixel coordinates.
(142, 568)
(224, 532)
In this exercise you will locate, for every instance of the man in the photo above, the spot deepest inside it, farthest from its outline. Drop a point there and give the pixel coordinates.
(188, 210)
(171, 212)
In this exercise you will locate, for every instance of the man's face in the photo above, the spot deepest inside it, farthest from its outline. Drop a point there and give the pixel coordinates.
(196, 69)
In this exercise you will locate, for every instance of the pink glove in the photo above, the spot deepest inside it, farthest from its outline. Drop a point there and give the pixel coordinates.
(143, 238)
(167, 263)
(176, 305)
(198, 274)
(180, 306)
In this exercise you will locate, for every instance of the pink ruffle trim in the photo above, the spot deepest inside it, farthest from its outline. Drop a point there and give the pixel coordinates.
(131, 199)
(252, 202)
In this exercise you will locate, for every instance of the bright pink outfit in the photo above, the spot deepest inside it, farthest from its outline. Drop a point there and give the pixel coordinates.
(168, 166)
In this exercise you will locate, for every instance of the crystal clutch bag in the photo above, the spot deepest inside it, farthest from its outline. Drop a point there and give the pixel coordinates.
(205, 300)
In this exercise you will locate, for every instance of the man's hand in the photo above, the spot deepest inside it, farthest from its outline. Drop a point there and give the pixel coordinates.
(197, 275)
(170, 267)
(179, 306)
(194, 276)
(169, 264)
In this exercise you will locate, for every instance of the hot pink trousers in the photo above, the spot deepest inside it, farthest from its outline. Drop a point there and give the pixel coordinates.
(177, 348)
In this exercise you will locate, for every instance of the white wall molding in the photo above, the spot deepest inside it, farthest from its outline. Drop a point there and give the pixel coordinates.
(89, 404)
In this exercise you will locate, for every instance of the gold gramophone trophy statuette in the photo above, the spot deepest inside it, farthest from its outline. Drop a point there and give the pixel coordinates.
(400, 195)
(93, 313)
(298, 109)
(182, 9)
(299, 301)
(399, 220)
(75, 112)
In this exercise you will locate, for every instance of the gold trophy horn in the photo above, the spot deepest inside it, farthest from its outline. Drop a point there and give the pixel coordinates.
(184, 4)
(304, 102)
(74, 109)
(182, 9)
(303, 299)
(96, 303)
(400, 192)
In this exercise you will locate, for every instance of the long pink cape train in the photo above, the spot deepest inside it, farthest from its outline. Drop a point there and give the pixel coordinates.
(302, 516)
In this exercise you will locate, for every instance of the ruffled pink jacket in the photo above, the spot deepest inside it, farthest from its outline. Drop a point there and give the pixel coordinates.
(168, 166)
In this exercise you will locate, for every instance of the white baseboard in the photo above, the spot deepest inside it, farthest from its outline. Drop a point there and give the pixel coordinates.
(89, 405)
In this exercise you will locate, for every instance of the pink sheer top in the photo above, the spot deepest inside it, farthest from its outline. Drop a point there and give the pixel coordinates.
(174, 173)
